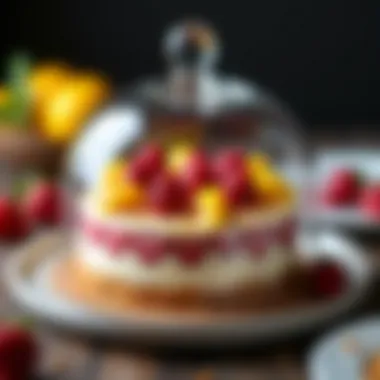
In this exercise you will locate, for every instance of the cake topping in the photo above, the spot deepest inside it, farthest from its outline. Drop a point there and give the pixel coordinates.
(146, 164)
(188, 180)
(211, 206)
(126, 196)
(258, 163)
(113, 175)
(117, 193)
(238, 190)
(227, 162)
(178, 157)
(167, 195)
(196, 171)
(270, 186)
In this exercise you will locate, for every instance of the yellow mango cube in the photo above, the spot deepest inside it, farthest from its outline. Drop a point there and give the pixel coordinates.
(272, 187)
(66, 111)
(178, 156)
(127, 196)
(257, 163)
(115, 192)
(114, 174)
(211, 206)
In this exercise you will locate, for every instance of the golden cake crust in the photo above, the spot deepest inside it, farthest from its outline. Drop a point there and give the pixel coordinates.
(76, 281)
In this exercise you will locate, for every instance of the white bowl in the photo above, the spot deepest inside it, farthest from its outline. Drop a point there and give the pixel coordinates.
(343, 353)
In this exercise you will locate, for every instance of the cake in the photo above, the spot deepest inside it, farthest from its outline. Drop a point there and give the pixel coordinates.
(179, 228)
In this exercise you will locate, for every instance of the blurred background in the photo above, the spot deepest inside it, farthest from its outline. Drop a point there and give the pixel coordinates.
(61, 61)
(322, 57)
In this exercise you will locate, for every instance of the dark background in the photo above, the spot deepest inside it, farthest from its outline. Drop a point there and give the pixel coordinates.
(323, 56)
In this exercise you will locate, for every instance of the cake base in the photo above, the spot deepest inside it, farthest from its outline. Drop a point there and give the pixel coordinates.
(75, 281)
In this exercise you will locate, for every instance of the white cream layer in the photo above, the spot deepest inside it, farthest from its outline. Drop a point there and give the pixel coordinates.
(213, 273)
(183, 225)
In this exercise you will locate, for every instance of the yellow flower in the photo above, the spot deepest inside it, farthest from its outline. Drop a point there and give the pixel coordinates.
(211, 206)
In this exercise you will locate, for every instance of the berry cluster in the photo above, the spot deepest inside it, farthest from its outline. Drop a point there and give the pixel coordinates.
(19, 352)
(185, 179)
(40, 204)
(345, 187)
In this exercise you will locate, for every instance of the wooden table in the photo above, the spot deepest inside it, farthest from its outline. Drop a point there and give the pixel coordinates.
(66, 357)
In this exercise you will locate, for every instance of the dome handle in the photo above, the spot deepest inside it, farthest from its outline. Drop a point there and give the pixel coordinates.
(191, 44)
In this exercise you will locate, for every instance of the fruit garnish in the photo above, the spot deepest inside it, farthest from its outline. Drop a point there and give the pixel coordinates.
(166, 194)
(43, 203)
(170, 181)
(45, 80)
(211, 206)
(125, 196)
(148, 162)
(369, 202)
(13, 224)
(114, 174)
(18, 352)
(342, 188)
(178, 156)
(67, 110)
(196, 171)
(328, 279)
(271, 188)
(227, 162)
(238, 189)
(258, 162)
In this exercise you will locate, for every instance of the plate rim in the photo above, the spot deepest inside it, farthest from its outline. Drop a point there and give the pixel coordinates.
(319, 347)
(335, 216)
(244, 327)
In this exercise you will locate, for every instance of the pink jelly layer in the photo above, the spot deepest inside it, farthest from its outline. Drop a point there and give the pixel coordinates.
(152, 248)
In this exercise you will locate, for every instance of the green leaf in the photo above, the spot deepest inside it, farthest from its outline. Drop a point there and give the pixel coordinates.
(17, 110)
(19, 66)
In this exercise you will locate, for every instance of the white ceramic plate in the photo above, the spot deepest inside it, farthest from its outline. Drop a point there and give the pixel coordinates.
(27, 280)
(366, 162)
(343, 353)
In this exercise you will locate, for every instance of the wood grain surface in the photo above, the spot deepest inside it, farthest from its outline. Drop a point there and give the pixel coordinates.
(67, 357)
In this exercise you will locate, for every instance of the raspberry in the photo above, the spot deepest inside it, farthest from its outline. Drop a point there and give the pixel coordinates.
(148, 162)
(167, 195)
(197, 171)
(328, 279)
(228, 162)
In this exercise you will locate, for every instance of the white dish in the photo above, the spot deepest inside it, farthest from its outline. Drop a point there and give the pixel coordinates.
(366, 162)
(27, 280)
(343, 353)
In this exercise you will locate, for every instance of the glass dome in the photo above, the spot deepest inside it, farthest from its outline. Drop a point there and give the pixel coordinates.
(191, 102)
(185, 170)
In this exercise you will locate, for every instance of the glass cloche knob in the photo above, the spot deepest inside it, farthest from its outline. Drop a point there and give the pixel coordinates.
(191, 44)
